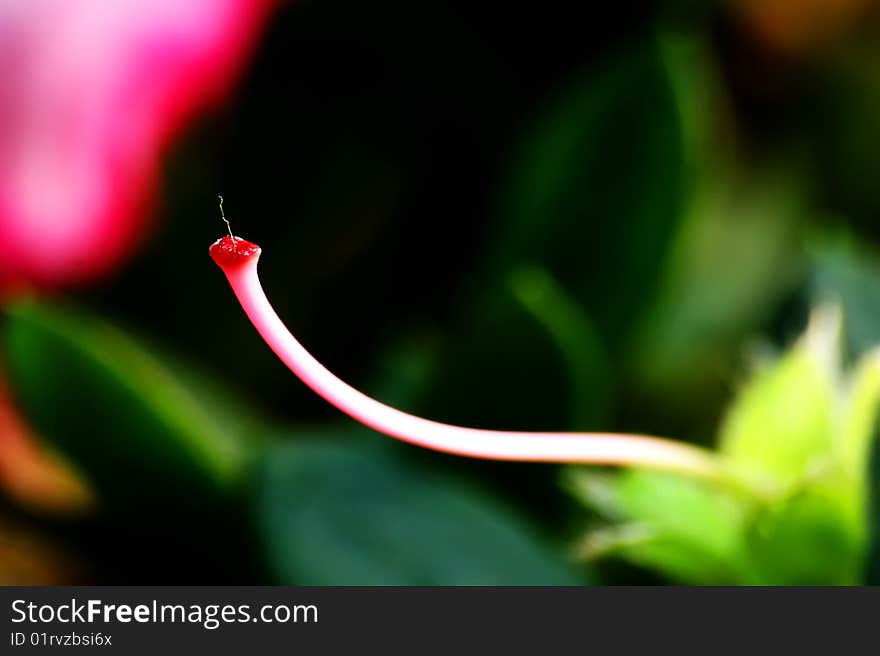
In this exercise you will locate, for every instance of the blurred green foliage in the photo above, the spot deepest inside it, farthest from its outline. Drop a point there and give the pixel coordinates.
(325, 513)
(109, 403)
(603, 232)
(797, 437)
(339, 514)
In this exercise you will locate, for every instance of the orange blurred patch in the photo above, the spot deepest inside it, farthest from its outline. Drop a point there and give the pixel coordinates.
(798, 27)
(27, 558)
(33, 475)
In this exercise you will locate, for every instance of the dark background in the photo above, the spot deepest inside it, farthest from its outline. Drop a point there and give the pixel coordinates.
(404, 164)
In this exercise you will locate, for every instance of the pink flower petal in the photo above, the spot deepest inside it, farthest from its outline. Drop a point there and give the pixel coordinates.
(92, 91)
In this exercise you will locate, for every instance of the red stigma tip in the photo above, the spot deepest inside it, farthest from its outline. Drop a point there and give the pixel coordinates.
(229, 252)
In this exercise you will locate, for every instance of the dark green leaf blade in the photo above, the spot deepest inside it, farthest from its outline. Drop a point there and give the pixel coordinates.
(338, 514)
(142, 436)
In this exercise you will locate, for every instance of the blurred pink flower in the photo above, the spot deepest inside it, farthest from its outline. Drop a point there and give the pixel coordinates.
(91, 91)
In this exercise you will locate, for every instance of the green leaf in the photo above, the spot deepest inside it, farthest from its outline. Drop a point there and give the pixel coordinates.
(844, 273)
(798, 435)
(734, 254)
(843, 490)
(802, 428)
(592, 198)
(337, 514)
(141, 436)
(781, 424)
(505, 357)
(692, 531)
(610, 145)
(859, 421)
(732, 261)
(576, 337)
(808, 539)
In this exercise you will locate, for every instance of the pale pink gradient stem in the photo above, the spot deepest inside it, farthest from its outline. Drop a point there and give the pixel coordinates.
(238, 259)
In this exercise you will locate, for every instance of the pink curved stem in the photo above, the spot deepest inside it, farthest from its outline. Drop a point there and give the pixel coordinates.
(238, 259)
